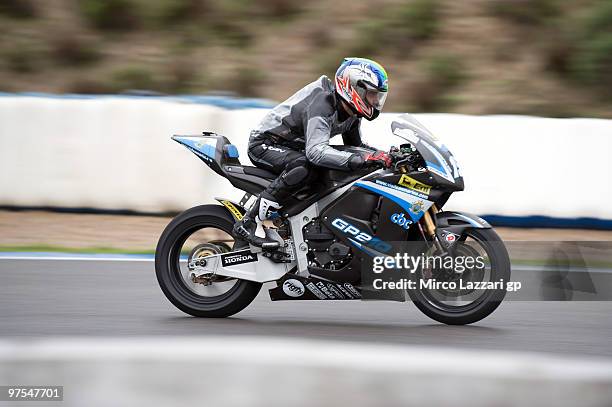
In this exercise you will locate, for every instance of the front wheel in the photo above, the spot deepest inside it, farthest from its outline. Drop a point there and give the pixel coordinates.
(196, 233)
(467, 300)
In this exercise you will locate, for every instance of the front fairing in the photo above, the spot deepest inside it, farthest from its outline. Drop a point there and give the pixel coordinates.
(440, 164)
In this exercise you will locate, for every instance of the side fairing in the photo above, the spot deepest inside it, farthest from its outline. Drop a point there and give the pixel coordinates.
(373, 216)
(203, 147)
(413, 203)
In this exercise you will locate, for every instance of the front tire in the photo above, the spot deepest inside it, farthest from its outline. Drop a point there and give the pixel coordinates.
(168, 268)
(483, 307)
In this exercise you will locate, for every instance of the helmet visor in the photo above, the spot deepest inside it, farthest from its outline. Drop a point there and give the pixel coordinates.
(371, 95)
(376, 98)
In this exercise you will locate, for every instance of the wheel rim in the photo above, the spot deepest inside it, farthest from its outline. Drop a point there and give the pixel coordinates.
(462, 300)
(198, 242)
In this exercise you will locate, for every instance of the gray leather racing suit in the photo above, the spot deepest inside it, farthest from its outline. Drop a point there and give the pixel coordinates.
(293, 138)
(307, 121)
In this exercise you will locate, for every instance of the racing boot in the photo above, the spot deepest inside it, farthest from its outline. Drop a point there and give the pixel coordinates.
(250, 227)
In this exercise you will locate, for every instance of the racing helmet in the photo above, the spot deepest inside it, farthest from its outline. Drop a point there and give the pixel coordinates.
(363, 84)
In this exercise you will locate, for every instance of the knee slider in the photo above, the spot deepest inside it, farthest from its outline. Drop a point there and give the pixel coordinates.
(295, 175)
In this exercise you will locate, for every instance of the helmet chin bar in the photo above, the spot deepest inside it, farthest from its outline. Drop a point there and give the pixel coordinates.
(351, 110)
(351, 97)
(374, 115)
(348, 109)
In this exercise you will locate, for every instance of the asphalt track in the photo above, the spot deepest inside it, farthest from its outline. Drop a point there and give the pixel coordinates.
(117, 299)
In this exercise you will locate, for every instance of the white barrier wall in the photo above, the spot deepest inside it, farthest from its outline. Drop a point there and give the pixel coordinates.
(116, 153)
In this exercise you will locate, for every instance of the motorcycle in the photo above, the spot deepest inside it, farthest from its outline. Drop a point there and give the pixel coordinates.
(330, 233)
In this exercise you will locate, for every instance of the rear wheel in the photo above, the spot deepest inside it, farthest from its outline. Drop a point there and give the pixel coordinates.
(460, 306)
(195, 234)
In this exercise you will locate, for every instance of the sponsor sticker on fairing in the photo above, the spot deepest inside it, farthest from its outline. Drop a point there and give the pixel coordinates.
(417, 207)
(335, 291)
(232, 208)
(241, 257)
(352, 290)
(402, 220)
(449, 237)
(360, 236)
(293, 288)
(402, 189)
(344, 291)
(318, 293)
(413, 184)
(321, 286)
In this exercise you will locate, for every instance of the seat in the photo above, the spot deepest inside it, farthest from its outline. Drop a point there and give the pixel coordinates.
(259, 172)
(231, 151)
(249, 179)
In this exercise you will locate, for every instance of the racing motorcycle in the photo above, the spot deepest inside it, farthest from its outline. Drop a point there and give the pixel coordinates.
(331, 232)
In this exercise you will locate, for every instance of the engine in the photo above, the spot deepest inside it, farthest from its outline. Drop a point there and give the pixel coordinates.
(324, 249)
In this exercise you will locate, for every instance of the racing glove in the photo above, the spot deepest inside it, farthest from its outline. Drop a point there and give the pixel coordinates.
(375, 159)
(378, 158)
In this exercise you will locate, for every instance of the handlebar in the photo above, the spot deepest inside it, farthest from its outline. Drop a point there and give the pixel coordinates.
(405, 155)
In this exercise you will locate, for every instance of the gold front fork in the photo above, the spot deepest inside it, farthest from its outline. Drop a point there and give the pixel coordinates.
(427, 221)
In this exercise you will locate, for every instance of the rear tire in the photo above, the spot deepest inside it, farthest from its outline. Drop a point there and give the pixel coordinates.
(168, 270)
(500, 266)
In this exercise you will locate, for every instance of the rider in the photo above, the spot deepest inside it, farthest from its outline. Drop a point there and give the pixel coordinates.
(293, 138)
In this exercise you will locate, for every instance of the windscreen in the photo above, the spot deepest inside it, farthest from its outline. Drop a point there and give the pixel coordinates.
(438, 158)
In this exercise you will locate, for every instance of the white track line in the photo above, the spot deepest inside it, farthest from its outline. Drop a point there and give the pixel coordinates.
(75, 258)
